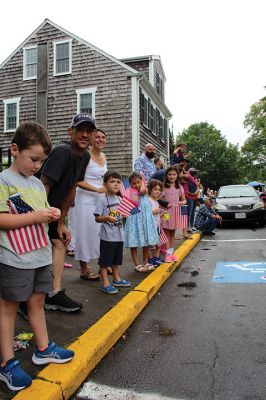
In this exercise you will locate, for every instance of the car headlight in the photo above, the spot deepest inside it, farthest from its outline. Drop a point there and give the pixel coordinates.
(220, 207)
(258, 205)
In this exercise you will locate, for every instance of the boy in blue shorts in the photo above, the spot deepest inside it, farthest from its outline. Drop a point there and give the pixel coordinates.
(111, 233)
(25, 252)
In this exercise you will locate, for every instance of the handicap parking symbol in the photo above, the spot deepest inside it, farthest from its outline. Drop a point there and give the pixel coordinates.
(240, 272)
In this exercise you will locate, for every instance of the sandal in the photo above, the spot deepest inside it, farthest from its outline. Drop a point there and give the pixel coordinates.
(149, 267)
(70, 253)
(141, 268)
(90, 276)
(109, 271)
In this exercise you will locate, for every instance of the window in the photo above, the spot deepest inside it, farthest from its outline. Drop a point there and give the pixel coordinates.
(62, 57)
(11, 115)
(86, 100)
(165, 130)
(159, 85)
(29, 62)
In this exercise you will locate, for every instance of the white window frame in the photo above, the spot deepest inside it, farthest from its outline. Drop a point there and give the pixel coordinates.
(91, 90)
(25, 78)
(11, 101)
(70, 57)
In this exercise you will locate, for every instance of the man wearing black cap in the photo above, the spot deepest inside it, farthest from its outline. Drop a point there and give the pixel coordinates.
(64, 167)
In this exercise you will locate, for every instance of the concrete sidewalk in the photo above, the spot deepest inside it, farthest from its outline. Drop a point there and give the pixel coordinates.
(94, 330)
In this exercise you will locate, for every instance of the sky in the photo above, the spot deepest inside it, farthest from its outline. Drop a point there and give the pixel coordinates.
(213, 52)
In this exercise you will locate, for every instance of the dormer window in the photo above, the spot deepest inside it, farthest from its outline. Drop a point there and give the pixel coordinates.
(29, 63)
(62, 57)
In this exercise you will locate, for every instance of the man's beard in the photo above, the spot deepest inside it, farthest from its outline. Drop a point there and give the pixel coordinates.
(150, 155)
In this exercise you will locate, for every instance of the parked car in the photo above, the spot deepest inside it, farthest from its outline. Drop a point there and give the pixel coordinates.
(240, 203)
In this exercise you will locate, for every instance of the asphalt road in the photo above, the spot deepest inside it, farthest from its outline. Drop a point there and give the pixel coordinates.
(202, 340)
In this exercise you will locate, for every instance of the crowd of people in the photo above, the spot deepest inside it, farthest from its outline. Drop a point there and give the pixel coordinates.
(105, 215)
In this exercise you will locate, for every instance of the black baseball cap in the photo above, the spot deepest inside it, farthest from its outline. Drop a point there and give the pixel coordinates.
(82, 118)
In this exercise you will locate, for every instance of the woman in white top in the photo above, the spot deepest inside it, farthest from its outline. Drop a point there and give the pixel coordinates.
(87, 244)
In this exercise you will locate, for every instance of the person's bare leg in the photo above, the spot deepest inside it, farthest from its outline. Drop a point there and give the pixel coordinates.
(58, 253)
(116, 276)
(8, 311)
(145, 255)
(104, 276)
(134, 255)
(37, 319)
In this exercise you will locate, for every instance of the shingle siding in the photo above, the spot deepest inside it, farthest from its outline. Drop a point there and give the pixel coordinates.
(90, 68)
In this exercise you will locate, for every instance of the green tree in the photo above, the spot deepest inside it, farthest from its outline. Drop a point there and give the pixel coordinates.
(218, 161)
(254, 148)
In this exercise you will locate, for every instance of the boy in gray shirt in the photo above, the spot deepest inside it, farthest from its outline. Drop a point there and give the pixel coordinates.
(111, 233)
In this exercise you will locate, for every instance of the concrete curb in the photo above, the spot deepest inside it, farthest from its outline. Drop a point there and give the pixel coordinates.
(60, 382)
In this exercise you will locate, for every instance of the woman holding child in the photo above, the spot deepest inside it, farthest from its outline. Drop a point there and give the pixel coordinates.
(88, 195)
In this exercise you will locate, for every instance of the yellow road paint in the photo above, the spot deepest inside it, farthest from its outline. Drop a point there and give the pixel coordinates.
(58, 382)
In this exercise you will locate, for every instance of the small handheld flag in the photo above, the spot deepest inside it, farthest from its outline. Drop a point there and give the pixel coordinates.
(26, 238)
(127, 207)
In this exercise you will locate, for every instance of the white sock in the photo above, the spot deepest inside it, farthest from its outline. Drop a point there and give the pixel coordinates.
(168, 252)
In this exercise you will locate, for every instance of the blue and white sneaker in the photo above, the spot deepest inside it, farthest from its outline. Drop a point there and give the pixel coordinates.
(14, 376)
(159, 260)
(121, 283)
(52, 354)
(109, 289)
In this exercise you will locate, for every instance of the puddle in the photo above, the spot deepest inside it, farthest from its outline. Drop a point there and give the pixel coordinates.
(187, 285)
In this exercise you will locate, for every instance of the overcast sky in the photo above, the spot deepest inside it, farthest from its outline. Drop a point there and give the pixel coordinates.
(213, 52)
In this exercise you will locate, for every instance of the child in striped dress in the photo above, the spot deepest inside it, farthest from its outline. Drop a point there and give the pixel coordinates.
(173, 193)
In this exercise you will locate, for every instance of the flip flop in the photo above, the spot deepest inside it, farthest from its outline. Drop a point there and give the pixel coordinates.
(90, 276)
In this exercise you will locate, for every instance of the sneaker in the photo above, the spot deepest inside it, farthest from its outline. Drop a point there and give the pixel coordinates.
(14, 376)
(152, 261)
(173, 257)
(60, 301)
(23, 310)
(168, 258)
(52, 354)
(159, 260)
(121, 283)
(109, 289)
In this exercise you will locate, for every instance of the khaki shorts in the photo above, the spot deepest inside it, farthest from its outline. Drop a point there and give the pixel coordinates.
(19, 284)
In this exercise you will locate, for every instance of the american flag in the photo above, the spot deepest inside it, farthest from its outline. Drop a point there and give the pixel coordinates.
(127, 207)
(162, 238)
(122, 189)
(181, 216)
(26, 238)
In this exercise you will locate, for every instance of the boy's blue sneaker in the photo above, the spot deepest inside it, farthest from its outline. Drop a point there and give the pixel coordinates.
(159, 260)
(109, 289)
(121, 283)
(152, 261)
(52, 354)
(14, 376)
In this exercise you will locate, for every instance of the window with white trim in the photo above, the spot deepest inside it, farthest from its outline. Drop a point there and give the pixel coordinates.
(62, 57)
(11, 114)
(86, 100)
(29, 63)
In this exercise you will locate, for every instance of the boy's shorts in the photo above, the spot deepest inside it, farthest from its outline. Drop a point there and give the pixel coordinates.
(111, 253)
(18, 284)
(52, 230)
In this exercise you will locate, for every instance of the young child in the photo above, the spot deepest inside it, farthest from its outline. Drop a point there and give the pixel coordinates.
(155, 189)
(25, 252)
(174, 194)
(111, 233)
(140, 228)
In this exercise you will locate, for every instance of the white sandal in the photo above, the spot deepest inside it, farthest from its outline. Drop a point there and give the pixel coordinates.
(141, 268)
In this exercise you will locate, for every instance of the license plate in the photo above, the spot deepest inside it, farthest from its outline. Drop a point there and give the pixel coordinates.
(240, 215)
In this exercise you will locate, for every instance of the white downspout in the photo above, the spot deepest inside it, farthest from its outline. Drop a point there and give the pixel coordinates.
(135, 119)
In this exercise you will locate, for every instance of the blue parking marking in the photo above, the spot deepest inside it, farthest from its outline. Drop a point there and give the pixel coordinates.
(240, 272)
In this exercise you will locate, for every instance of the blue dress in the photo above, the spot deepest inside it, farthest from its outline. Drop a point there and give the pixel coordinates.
(140, 229)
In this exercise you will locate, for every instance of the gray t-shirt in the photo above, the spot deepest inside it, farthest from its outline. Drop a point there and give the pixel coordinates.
(110, 232)
(33, 193)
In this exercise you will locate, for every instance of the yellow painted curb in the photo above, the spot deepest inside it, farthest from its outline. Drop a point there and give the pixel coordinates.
(58, 382)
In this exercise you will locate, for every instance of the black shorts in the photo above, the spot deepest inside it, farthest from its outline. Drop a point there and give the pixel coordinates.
(111, 253)
(52, 230)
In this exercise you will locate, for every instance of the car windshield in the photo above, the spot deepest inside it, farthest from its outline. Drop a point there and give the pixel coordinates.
(236, 191)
